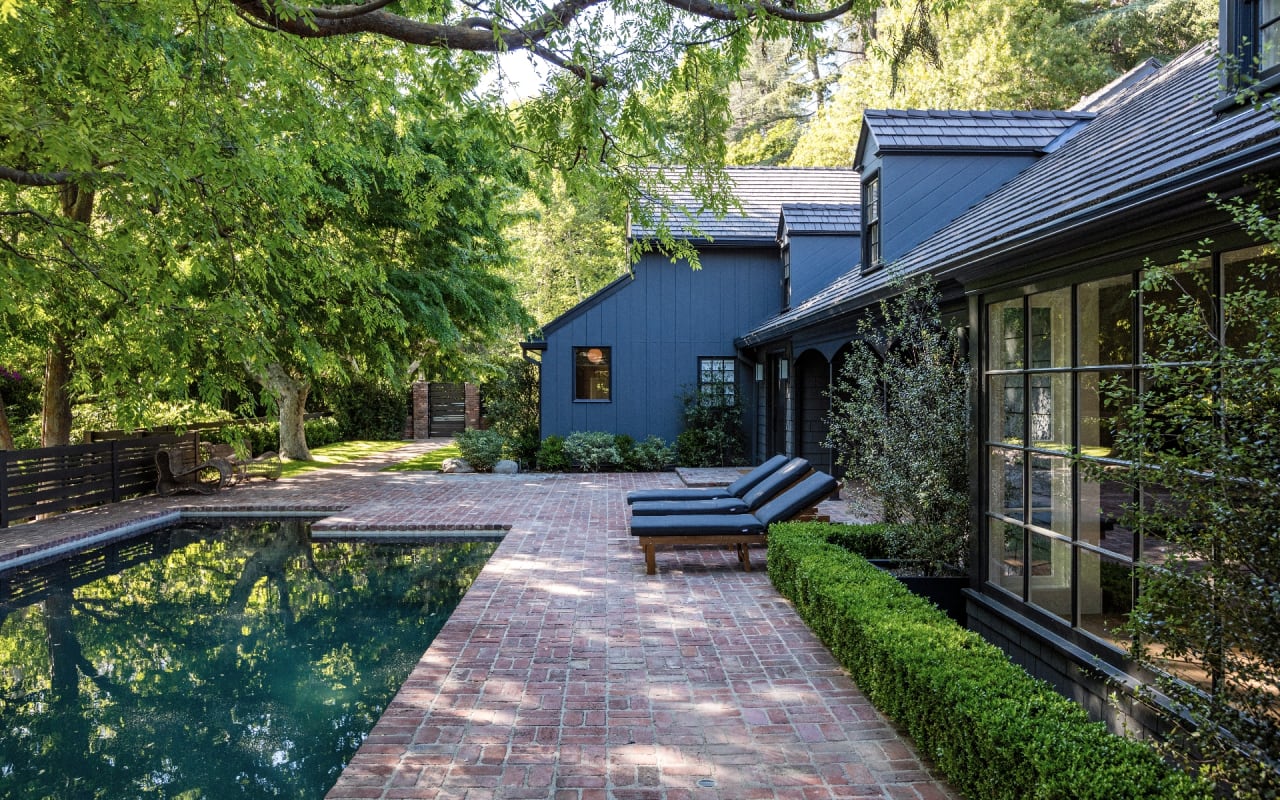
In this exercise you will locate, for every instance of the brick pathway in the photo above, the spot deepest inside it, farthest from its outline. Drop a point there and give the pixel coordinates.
(566, 673)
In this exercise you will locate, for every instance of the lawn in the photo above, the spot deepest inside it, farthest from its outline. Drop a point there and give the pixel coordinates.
(426, 461)
(332, 455)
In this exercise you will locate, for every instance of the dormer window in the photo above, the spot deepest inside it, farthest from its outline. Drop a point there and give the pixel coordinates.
(1252, 31)
(871, 222)
(786, 278)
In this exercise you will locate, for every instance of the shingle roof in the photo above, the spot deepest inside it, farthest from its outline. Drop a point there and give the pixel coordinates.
(820, 218)
(1160, 135)
(761, 191)
(969, 130)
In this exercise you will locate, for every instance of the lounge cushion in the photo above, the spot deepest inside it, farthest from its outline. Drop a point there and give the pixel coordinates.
(764, 491)
(810, 491)
(677, 495)
(719, 505)
(678, 525)
(736, 489)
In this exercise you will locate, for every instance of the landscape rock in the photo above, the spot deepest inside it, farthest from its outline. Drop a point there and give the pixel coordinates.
(455, 465)
(506, 467)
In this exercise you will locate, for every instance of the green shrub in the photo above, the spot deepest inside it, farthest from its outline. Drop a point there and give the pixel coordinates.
(511, 406)
(593, 451)
(319, 431)
(551, 455)
(626, 447)
(651, 455)
(481, 449)
(367, 409)
(995, 731)
(713, 434)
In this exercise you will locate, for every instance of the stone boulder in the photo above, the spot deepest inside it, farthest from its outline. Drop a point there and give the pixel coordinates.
(506, 467)
(455, 465)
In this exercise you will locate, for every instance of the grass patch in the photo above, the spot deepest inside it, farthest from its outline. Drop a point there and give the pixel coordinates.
(426, 461)
(331, 455)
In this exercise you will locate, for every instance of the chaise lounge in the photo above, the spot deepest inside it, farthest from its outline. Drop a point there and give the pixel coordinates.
(764, 491)
(739, 531)
(736, 489)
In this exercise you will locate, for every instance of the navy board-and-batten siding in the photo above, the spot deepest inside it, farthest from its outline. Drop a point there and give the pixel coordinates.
(657, 324)
(921, 193)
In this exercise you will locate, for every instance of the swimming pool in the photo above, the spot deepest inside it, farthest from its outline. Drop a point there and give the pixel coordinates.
(212, 658)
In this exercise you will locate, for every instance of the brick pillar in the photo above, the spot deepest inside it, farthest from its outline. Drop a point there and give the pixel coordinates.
(419, 412)
(471, 395)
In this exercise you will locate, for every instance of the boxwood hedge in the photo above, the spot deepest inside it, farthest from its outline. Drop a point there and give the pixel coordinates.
(994, 731)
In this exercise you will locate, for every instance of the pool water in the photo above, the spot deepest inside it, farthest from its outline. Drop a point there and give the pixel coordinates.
(212, 659)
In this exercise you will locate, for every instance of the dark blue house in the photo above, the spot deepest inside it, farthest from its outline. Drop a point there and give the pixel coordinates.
(1037, 226)
(619, 360)
(1039, 259)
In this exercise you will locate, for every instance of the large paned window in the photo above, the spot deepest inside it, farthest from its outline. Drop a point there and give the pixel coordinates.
(1051, 537)
(592, 377)
(871, 223)
(718, 379)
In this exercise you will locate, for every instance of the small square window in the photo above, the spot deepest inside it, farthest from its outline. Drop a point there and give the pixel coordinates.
(592, 373)
(718, 380)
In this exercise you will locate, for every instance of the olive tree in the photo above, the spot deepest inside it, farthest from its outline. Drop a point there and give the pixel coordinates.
(899, 421)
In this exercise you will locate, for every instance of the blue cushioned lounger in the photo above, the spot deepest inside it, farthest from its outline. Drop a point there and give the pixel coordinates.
(736, 530)
(736, 489)
(761, 493)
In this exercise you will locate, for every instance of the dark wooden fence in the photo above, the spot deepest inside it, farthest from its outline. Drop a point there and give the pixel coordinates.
(55, 479)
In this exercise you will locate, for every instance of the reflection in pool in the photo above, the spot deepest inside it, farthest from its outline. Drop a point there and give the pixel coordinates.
(212, 659)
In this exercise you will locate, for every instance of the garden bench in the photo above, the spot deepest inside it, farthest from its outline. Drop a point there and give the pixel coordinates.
(178, 471)
(266, 465)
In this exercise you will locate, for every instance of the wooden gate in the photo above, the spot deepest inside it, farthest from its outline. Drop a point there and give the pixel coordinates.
(446, 409)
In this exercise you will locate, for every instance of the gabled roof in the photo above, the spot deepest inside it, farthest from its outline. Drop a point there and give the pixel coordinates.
(1103, 97)
(820, 218)
(1159, 136)
(761, 192)
(966, 131)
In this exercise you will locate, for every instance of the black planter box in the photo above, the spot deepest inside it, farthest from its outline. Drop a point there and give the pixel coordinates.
(944, 591)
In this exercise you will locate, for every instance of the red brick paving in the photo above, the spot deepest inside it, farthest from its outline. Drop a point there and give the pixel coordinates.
(566, 673)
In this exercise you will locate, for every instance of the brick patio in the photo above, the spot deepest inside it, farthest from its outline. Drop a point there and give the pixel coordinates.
(568, 674)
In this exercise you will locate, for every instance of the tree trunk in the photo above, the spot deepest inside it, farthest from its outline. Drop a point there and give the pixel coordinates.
(291, 398)
(6, 434)
(55, 416)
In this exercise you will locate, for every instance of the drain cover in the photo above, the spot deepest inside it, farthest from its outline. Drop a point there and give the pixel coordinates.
(707, 783)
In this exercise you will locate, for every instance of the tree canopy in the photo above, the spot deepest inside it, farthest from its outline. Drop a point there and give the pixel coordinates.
(191, 199)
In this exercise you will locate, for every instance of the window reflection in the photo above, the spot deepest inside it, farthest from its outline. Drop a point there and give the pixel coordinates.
(1102, 507)
(1105, 595)
(1051, 575)
(1051, 493)
(1098, 412)
(1051, 329)
(1005, 334)
(1006, 483)
(1051, 411)
(1106, 321)
(1008, 409)
(1006, 563)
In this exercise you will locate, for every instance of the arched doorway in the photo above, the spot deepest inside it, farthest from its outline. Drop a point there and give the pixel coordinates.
(812, 381)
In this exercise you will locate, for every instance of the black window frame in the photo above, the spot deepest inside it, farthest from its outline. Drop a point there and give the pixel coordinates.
(1244, 26)
(605, 364)
(872, 229)
(727, 386)
(786, 277)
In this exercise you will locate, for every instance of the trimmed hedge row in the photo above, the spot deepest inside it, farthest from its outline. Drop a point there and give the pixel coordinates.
(995, 731)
